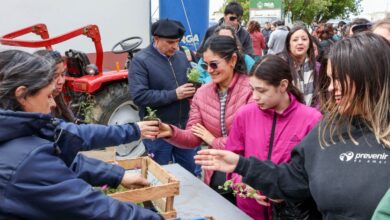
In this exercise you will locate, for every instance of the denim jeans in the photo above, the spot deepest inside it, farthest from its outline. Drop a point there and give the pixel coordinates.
(163, 153)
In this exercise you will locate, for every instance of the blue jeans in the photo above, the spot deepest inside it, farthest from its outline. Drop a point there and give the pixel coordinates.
(163, 153)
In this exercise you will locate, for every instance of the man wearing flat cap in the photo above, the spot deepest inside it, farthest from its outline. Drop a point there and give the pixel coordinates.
(158, 79)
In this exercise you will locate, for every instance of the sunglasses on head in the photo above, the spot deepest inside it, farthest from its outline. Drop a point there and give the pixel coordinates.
(213, 64)
(360, 28)
(233, 18)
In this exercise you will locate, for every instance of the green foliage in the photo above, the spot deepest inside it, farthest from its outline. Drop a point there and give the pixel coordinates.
(109, 190)
(321, 10)
(150, 114)
(240, 189)
(193, 75)
(310, 10)
(86, 108)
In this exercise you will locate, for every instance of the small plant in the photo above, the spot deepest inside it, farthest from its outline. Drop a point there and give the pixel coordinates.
(109, 190)
(150, 114)
(240, 189)
(86, 109)
(193, 76)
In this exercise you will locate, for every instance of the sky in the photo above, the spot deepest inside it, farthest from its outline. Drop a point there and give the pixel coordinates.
(375, 5)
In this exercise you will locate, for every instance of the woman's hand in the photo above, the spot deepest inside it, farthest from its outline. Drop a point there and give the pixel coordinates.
(220, 160)
(134, 180)
(261, 199)
(149, 129)
(165, 131)
(201, 132)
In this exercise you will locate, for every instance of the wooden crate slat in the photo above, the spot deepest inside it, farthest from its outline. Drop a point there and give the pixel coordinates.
(169, 215)
(160, 204)
(162, 195)
(162, 175)
(148, 193)
(106, 155)
(169, 203)
(131, 164)
(144, 169)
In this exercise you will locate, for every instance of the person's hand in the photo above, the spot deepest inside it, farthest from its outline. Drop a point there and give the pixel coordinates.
(219, 160)
(134, 180)
(165, 131)
(201, 132)
(149, 129)
(261, 199)
(185, 91)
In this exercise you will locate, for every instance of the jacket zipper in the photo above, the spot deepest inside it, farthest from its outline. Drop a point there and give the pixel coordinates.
(177, 85)
(271, 144)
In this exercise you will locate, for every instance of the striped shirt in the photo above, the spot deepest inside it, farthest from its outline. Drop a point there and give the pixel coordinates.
(222, 101)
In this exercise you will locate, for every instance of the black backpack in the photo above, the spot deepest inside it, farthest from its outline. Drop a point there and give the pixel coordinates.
(76, 62)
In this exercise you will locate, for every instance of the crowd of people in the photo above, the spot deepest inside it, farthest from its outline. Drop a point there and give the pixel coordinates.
(300, 118)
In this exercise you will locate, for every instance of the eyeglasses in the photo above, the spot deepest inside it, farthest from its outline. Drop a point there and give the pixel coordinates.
(213, 64)
(233, 18)
(360, 28)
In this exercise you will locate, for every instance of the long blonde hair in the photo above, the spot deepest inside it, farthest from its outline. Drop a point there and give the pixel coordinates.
(362, 66)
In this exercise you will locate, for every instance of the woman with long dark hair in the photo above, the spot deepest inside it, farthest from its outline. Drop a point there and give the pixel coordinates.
(214, 104)
(299, 54)
(61, 110)
(344, 162)
(280, 120)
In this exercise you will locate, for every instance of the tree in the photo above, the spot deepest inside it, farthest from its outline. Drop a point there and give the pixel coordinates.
(321, 10)
(310, 10)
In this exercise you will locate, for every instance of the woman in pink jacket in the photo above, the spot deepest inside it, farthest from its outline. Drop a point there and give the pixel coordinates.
(214, 104)
(270, 127)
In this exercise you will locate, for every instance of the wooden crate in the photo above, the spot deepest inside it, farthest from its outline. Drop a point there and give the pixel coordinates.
(162, 195)
(106, 155)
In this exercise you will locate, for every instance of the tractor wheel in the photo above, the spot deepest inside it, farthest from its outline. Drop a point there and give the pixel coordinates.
(114, 105)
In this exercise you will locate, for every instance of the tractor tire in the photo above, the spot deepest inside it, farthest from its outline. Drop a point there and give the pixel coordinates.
(114, 105)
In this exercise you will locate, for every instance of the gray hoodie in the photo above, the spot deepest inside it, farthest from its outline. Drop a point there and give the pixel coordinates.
(277, 40)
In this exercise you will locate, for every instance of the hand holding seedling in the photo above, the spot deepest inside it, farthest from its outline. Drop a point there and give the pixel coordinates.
(220, 160)
(165, 131)
(134, 180)
(149, 129)
(201, 132)
(185, 91)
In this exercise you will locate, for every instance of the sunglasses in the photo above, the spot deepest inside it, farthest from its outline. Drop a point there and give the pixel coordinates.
(233, 18)
(213, 64)
(360, 28)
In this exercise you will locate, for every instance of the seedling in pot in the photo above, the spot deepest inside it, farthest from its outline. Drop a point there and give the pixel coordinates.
(151, 115)
(193, 76)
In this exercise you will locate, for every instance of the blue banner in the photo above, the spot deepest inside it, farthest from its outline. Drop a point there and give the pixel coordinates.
(193, 14)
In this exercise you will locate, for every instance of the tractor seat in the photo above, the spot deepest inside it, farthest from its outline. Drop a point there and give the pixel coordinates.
(76, 61)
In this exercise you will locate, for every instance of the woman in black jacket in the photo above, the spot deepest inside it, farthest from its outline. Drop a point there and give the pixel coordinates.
(344, 162)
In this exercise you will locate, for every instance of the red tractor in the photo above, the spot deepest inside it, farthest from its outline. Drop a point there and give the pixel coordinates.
(102, 97)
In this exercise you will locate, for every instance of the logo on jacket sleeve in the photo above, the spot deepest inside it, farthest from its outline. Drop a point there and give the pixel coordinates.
(347, 156)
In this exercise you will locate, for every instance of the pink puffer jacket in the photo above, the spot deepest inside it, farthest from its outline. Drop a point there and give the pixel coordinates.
(205, 110)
